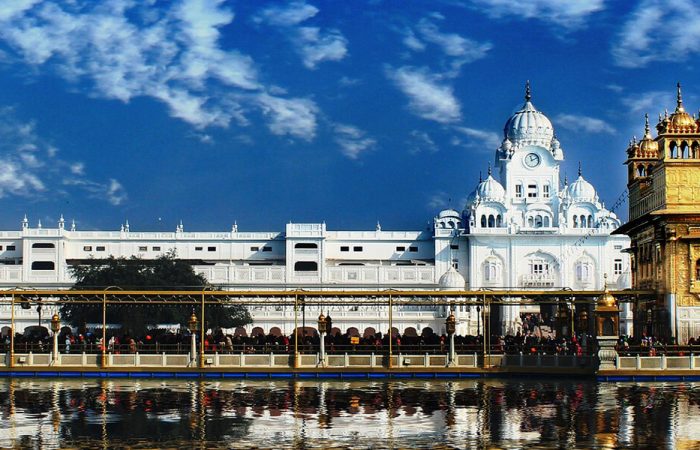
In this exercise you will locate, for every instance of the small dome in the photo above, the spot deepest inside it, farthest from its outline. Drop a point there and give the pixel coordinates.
(581, 190)
(490, 189)
(680, 121)
(452, 281)
(528, 125)
(448, 213)
(624, 281)
(648, 146)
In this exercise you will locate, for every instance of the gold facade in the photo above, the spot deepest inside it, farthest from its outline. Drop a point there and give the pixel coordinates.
(664, 225)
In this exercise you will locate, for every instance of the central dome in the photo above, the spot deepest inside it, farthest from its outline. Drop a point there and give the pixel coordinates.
(528, 125)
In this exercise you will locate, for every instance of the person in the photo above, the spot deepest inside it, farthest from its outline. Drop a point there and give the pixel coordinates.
(67, 343)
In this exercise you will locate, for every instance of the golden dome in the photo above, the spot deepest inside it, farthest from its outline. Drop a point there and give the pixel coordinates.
(648, 146)
(680, 120)
(606, 299)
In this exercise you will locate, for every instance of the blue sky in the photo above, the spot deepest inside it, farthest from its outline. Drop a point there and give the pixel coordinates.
(212, 111)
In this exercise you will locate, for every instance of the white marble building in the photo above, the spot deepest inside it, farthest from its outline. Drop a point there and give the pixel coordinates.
(528, 231)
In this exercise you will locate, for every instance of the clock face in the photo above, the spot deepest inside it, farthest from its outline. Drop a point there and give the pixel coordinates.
(532, 160)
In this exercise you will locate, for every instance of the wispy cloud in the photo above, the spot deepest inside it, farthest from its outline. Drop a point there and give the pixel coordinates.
(420, 141)
(31, 165)
(487, 141)
(353, 141)
(587, 124)
(648, 102)
(570, 14)
(641, 40)
(122, 49)
(313, 44)
(293, 117)
(428, 98)
(438, 200)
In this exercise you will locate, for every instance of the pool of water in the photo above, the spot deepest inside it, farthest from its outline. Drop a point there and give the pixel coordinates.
(508, 413)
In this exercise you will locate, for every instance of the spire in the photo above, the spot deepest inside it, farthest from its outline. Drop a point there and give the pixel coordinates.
(72, 225)
(489, 171)
(647, 132)
(579, 168)
(481, 178)
(679, 98)
(528, 95)
(566, 179)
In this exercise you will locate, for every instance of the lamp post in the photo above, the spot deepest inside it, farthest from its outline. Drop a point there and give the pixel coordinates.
(322, 324)
(478, 320)
(55, 327)
(192, 326)
(450, 327)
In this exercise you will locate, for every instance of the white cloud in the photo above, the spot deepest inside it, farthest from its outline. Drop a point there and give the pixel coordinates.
(568, 13)
(313, 44)
(485, 140)
(420, 141)
(658, 30)
(288, 15)
(124, 49)
(295, 117)
(651, 102)
(427, 97)
(352, 140)
(31, 167)
(438, 201)
(583, 123)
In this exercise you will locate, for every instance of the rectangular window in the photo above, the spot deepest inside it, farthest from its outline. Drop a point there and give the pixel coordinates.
(10, 248)
(143, 249)
(0, 247)
(156, 249)
(455, 264)
(400, 249)
(454, 246)
(344, 248)
(519, 190)
(618, 247)
(618, 267)
(357, 248)
(198, 249)
(531, 190)
(211, 249)
(545, 191)
(413, 249)
(254, 249)
(87, 248)
(100, 248)
(267, 249)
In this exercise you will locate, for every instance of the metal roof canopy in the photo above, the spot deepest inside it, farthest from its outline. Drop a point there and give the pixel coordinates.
(289, 297)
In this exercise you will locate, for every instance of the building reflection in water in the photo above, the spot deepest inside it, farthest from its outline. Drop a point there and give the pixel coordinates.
(572, 414)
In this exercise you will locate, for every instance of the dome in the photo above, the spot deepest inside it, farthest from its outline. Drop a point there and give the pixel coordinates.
(528, 125)
(624, 281)
(680, 121)
(648, 146)
(448, 213)
(490, 189)
(581, 190)
(452, 281)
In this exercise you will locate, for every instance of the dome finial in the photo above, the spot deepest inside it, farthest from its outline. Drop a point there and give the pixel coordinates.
(481, 178)
(679, 98)
(566, 179)
(489, 171)
(646, 124)
(579, 168)
(528, 96)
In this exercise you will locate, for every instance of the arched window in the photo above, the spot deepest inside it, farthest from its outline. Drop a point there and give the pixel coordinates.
(648, 169)
(546, 221)
(538, 221)
(575, 221)
(641, 171)
(483, 221)
(590, 221)
(530, 222)
(43, 265)
(583, 271)
(492, 221)
(306, 245)
(672, 150)
(684, 153)
(583, 221)
(306, 266)
(697, 270)
(694, 150)
(492, 271)
(499, 221)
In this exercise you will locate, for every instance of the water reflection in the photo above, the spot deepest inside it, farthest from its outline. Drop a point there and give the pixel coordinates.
(301, 414)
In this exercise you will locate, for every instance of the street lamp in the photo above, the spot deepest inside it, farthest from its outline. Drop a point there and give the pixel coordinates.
(192, 326)
(478, 320)
(322, 328)
(450, 327)
(55, 327)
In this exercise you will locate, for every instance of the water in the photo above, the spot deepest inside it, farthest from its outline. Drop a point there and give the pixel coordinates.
(360, 414)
